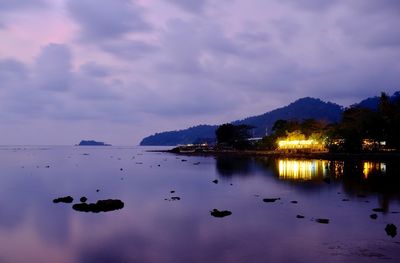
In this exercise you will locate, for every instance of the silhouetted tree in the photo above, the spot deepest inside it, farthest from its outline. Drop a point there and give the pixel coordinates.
(233, 135)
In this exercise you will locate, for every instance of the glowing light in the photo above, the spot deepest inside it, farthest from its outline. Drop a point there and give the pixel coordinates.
(370, 167)
(300, 144)
(303, 170)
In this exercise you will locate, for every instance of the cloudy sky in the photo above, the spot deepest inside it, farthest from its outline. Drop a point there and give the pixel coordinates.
(118, 70)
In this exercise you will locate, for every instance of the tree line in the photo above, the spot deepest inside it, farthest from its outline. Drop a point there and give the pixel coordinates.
(380, 128)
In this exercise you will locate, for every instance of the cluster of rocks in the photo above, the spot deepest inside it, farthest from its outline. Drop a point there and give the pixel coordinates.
(106, 205)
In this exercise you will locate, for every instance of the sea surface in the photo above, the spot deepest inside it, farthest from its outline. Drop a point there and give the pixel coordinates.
(156, 226)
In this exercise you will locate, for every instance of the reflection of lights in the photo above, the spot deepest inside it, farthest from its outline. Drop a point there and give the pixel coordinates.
(370, 167)
(338, 168)
(301, 170)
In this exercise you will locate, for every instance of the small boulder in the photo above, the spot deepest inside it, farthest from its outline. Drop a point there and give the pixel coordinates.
(215, 181)
(65, 199)
(299, 216)
(373, 216)
(391, 230)
(322, 220)
(217, 213)
(271, 200)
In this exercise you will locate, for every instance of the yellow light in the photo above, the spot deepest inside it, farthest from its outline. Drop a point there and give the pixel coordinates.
(369, 167)
(299, 144)
(303, 170)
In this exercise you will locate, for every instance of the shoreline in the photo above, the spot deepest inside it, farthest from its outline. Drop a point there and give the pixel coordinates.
(381, 156)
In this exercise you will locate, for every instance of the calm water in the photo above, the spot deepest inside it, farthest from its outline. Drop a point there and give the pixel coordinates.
(152, 228)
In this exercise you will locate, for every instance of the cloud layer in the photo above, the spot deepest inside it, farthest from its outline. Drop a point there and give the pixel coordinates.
(149, 66)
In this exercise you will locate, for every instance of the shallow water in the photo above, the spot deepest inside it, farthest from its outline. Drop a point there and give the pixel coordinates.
(151, 227)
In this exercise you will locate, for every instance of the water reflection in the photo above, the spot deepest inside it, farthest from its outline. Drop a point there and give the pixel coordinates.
(373, 167)
(301, 170)
(356, 177)
(229, 166)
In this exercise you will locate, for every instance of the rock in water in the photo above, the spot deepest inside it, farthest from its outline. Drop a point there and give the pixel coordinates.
(270, 200)
(382, 210)
(322, 220)
(217, 213)
(65, 199)
(83, 199)
(373, 216)
(299, 216)
(215, 181)
(391, 230)
(100, 206)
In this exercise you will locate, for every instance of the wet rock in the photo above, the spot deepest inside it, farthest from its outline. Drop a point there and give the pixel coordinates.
(381, 210)
(100, 206)
(294, 202)
(373, 216)
(322, 220)
(83, 199)
(121, 169)
(65, 199)
(215, 181)
(183, 160)
(175, 198)
(299, 216)
(217, 213)
(345, 200)
(391, 230)
(97, 190)
(158, 165)
(271, 200)
(172, 192)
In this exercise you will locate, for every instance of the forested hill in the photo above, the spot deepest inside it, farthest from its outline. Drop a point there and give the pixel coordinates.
(373, 102)
(305, 108)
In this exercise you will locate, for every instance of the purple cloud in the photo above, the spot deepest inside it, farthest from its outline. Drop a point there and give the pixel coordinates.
(53, 68)
(192, 6)
(108, 20)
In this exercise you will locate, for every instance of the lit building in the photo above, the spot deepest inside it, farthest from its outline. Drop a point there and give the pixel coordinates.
(301, 145)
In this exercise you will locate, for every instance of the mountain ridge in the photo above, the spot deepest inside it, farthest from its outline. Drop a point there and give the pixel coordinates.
(303, 108)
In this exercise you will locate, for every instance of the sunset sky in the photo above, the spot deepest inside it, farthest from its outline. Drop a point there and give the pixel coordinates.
(119, 70)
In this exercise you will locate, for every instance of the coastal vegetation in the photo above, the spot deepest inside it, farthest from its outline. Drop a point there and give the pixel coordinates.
(361, 129)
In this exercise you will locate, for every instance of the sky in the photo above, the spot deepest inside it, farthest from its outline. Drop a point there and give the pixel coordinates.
(119, 70)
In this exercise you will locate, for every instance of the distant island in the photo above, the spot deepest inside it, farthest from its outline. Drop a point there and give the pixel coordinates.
(92, 143)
